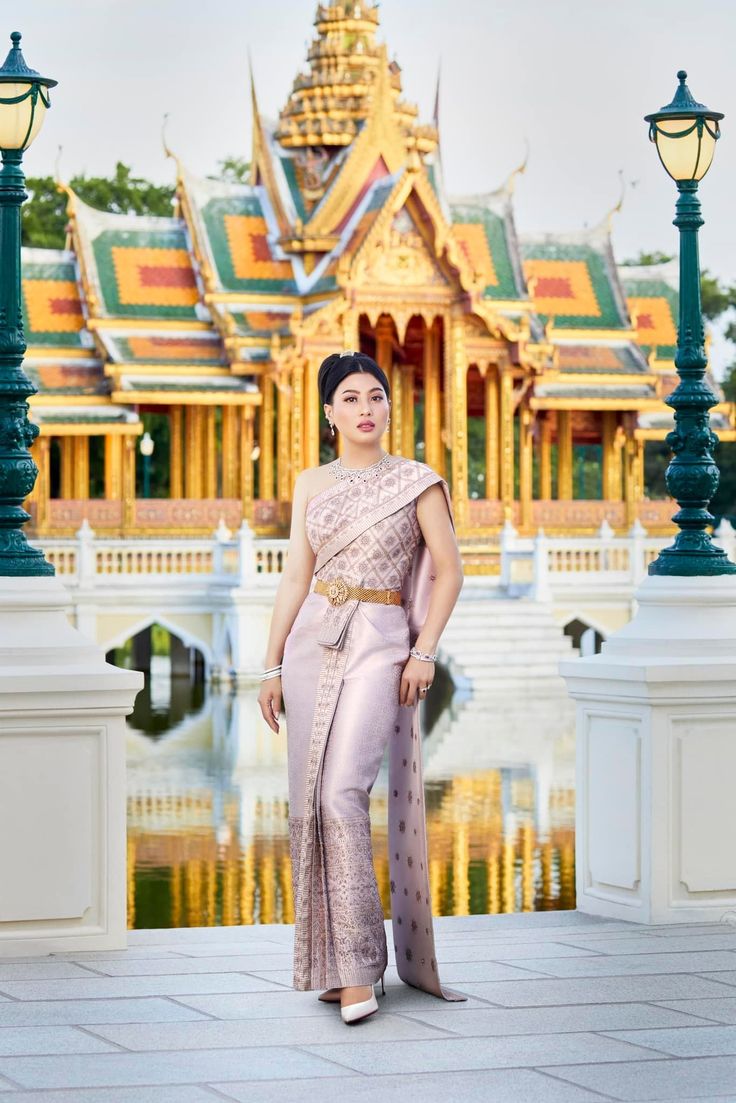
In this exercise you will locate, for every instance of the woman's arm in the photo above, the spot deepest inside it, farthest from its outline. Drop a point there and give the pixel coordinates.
(292, 589)
(436, 525)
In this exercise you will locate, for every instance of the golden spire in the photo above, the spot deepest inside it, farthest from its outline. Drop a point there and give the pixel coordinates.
(333, 97)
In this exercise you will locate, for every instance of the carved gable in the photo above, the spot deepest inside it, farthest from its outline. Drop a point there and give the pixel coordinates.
(399, 257)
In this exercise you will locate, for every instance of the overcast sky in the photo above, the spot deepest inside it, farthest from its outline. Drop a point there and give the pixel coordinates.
(573, 77)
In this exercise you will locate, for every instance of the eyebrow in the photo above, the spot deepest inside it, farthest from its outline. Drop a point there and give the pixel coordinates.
(353, 390)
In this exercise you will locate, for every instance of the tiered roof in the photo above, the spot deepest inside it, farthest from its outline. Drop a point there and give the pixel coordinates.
(52, 308)
(484, 229)
(652, 296)
(201, 301)
(577, 294)
(61, 361)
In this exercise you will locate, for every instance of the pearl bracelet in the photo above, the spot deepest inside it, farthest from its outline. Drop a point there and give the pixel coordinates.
(425, 656)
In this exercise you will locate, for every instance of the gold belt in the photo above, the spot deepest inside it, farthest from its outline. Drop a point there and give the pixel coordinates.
(338, 591)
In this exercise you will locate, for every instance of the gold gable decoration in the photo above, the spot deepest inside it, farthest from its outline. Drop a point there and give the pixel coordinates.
(399, 258)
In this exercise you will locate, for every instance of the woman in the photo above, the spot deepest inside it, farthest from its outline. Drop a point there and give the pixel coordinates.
(376, 531)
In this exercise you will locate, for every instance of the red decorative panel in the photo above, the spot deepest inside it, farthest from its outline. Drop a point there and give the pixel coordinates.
(187, 513)
(100, 513)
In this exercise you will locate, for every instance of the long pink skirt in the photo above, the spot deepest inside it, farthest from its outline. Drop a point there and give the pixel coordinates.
(348, 939)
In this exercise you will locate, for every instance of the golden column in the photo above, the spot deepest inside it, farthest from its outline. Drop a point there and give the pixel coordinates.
(66, 464)
(397, 408)
(507, 442)
(434, 451)
(385, 359)
(246, 462)
(193, 466)
(407, 411)
(210, 451)
(619, 439)
(176, 471)
(564, 455)
(639, 472)
(458, 376)
(545, 458)
(42, 488)
(633, 477)
(611, 469)
(129, 452)
(526, 426)
(311, 413)
(491, 408)
(230, 419)
(113, 467)
(629, 452)
(80, 459)
(297, 424)
(283, 441)
(265, 439)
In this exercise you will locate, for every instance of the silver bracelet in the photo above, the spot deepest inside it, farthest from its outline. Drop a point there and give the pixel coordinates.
(274, 672)
(425, 656)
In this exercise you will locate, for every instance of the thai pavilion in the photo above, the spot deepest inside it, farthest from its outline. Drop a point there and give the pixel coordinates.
(213, 322)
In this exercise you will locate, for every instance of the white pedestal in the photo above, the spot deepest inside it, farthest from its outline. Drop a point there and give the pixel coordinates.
(62, 778)
(656, 758)
(247, 623)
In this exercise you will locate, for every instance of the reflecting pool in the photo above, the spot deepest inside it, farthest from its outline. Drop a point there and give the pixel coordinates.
(208, 836)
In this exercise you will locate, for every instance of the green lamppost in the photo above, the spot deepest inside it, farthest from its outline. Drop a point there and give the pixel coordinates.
(24, 98)
(685, 133)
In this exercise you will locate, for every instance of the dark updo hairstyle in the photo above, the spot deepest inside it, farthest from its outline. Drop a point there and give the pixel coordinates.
(338, 365)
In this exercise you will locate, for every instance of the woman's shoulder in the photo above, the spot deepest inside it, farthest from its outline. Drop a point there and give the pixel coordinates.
(314, 477)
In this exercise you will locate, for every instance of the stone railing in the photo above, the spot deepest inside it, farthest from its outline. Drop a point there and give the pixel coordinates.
(545, 567)
(88, 560)
(542, 567)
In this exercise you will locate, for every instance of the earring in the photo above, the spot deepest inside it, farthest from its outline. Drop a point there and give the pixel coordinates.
(332, 429)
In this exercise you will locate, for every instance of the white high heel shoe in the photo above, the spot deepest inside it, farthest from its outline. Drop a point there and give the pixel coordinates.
(355, 1011)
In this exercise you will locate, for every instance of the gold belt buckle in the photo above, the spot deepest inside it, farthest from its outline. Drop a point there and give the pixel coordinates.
(337, 592)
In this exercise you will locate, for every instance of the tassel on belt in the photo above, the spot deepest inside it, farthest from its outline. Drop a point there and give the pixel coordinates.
(337, 591)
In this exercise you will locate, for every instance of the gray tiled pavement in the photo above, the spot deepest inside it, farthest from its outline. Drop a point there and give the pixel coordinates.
(563, 1008)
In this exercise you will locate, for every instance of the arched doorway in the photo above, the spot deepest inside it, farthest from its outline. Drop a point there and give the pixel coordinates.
(175, 677)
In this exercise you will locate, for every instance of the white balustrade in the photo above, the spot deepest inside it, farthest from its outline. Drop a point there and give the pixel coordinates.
(543, 567)
(88, 562)
(549, 567)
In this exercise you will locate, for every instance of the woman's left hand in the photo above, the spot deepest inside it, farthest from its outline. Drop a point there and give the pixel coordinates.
(417, 675)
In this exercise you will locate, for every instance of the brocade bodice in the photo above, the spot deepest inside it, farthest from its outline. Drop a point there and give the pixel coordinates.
(380, 556)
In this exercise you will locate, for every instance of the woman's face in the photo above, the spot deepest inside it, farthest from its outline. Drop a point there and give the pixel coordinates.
(360, 408)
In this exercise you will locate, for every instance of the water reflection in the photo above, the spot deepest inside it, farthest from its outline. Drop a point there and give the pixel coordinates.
(208, 809)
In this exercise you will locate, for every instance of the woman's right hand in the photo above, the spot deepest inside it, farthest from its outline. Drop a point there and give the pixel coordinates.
(269, 699)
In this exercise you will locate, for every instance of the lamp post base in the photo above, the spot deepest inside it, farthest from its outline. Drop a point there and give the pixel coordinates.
(656, 757)
(62, 778)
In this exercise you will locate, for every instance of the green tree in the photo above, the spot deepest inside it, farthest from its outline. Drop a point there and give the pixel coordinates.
(44, 216)
(234, 170)
(647, 259)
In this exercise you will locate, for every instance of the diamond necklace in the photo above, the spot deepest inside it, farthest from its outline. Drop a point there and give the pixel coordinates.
(359, 474)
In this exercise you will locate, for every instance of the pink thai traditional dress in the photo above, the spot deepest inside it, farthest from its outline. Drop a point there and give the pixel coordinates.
(340, 679)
